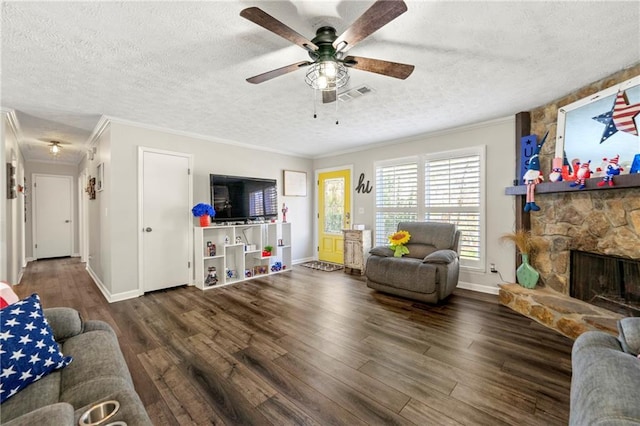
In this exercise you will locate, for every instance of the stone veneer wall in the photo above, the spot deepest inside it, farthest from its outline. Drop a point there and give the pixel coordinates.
(604, 222)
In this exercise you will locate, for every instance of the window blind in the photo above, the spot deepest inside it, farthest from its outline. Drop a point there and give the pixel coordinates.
(396, 197)
(452, 194)
(450, 189)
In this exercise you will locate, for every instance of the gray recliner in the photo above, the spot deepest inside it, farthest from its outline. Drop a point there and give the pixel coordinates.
(429, 272)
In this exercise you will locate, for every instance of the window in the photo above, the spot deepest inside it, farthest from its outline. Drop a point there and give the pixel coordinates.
(450, 189)
(396, 197)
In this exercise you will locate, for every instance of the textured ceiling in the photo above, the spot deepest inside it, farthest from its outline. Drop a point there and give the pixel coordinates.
(182, 66)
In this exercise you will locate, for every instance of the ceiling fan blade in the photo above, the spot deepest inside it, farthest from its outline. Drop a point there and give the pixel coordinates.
(329, 96)
(261, 78)
(378, 15)
(262, 18)
(391, 69)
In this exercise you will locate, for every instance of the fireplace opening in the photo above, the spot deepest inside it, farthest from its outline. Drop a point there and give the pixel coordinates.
(610, 282)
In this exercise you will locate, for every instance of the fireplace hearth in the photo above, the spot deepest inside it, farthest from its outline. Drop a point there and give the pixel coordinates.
(610, 282)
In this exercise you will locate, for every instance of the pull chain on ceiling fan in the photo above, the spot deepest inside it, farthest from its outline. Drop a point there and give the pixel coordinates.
(329, 67)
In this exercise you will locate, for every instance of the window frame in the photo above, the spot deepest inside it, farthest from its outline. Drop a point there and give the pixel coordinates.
(421, 210)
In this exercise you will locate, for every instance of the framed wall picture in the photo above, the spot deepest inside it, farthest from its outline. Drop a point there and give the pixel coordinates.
(295, 183)
(100, 177)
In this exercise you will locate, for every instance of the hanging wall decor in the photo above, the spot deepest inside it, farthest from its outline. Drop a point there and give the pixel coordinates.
(11, 181)
(100, 178)
(295, 183)
(363, 187)
(91, 188)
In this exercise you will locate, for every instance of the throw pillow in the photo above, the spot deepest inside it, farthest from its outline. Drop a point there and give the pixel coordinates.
(27, 347)
(7, 296)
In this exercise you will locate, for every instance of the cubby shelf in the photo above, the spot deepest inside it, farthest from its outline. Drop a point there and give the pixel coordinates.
(244, 263)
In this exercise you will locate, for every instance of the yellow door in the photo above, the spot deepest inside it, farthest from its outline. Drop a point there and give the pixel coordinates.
(334, 215)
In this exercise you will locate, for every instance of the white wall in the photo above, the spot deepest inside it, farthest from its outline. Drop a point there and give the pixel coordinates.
(498, 136)
(115, 212)
(12, 225)
(98, 229)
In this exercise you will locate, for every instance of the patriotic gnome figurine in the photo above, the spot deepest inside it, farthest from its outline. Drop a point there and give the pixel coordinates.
(583, 173)
(613, 169)
(556, 170)
(533, 176)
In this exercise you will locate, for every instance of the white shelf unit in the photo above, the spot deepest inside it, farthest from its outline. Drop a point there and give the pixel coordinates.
(238, 252)
(283, 245)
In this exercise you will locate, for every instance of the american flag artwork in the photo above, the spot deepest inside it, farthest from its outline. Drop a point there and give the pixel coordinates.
(621, 117)
(624, 114)
(610, 127)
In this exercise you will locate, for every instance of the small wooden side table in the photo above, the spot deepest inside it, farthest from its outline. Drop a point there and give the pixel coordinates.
(357, 244)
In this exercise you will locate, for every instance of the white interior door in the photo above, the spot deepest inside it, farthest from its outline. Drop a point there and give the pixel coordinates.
(166, 219)
(52, 206)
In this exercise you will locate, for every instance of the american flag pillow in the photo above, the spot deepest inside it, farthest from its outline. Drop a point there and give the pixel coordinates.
(28, 351)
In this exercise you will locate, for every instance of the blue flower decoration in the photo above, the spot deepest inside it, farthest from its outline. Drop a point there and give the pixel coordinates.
(202, 209)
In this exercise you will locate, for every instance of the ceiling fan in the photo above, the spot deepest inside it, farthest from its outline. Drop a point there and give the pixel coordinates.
(328, 70)
(55, 146)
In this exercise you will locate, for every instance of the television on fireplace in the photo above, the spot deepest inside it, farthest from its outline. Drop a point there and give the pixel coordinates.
(241, 198)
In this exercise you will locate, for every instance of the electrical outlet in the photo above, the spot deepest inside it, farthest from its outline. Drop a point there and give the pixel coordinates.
(493, 268)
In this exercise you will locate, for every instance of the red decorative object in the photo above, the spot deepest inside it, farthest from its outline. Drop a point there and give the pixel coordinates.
(205, 220)
(266, 253)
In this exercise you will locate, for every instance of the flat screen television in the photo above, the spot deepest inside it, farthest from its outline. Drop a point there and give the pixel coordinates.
(240, 198)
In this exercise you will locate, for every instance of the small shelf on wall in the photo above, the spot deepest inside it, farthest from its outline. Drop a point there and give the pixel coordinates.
(620, 182)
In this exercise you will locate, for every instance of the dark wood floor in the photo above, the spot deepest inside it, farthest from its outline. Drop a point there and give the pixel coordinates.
(310, 347)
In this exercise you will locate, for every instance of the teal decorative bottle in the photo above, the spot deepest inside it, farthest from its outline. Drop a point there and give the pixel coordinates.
(526, 274)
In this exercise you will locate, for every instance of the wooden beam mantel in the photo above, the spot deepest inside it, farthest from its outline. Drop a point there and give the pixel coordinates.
(620, 182)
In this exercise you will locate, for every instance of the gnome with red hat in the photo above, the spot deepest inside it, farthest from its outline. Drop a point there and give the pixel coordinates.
(613, 169)
(582, 174)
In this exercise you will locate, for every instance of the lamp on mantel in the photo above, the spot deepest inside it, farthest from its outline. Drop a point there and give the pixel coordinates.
(55, 148)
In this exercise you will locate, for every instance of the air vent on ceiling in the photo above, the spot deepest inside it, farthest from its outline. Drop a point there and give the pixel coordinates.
(352, 94)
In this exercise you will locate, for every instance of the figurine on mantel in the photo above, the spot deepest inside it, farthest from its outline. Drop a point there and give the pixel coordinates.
(613, 169)
(556, 170)
(583, 173)
(533, 176)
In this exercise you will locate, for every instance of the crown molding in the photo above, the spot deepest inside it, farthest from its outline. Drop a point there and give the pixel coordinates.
(14, 124)
(422, 137)
(117, 120)
(101, 126)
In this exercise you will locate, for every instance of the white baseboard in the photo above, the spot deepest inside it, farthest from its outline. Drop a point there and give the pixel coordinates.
(117, 297)
(478, 287)
(299, 261)
(29, 259)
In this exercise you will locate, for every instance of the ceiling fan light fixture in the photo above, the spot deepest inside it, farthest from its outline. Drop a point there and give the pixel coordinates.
(327, 75)
(55, 148)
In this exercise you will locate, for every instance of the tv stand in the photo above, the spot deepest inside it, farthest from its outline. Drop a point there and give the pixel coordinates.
(241, 259)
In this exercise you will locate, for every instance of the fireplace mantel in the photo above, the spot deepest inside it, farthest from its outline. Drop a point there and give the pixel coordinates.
(622, 181)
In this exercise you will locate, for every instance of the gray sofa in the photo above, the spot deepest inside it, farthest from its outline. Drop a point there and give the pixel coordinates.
(97, 373)
(605, 386)
(429, 272)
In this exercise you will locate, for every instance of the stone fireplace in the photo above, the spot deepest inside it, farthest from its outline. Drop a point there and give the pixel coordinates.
(610, 282)
(601, 222)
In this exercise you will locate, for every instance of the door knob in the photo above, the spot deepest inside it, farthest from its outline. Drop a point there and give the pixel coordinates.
(67, 221)
(148, 229)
